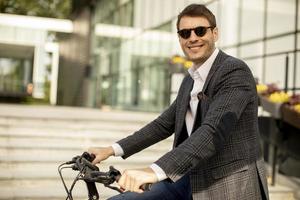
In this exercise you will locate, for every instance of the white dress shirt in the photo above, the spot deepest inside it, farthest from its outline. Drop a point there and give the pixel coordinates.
(199, 75)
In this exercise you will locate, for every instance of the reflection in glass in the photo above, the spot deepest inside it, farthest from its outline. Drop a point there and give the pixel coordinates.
(15, 76)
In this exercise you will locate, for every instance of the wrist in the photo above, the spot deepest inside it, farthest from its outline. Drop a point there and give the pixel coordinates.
(117, 150)
(110, 151)
(151, 172)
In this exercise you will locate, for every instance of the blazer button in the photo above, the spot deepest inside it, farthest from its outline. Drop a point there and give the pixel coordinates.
(200, 96)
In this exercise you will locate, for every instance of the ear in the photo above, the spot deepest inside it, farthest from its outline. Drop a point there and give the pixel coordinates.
(215, 34)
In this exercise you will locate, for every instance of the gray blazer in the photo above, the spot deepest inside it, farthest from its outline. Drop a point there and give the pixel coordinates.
(222, 156)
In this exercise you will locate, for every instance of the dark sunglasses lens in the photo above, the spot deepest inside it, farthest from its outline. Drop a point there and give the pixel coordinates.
(185, 33)
(200, 31)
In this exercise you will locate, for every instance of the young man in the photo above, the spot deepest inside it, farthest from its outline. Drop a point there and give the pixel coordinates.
(216, 152)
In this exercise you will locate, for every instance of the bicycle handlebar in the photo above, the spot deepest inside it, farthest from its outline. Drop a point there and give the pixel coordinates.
(91, 174)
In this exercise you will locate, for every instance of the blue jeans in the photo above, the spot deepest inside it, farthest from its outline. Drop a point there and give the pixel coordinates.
(164, 190)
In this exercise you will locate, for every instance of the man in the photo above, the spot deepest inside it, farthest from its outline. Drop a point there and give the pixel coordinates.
(216, 152)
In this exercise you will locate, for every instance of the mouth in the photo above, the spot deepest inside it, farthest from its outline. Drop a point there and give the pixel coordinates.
(195, 47)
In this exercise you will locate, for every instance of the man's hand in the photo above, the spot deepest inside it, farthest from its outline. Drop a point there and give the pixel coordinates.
(101, 153)
(131, 180)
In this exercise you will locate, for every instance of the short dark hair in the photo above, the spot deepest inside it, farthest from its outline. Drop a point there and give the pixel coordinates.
(197, 10)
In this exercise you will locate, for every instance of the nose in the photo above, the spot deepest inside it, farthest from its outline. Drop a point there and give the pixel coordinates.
(193, 36)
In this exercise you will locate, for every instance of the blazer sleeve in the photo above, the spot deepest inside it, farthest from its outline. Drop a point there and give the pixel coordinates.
(233, 91)
(157, 130)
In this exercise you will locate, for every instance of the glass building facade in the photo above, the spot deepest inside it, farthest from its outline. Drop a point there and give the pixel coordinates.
(134, 41)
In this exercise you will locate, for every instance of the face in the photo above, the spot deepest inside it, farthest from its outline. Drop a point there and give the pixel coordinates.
(197, 49)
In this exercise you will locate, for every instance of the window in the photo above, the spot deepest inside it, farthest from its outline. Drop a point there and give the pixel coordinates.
(281, 44)
(253, 49)
(229, 22)
(280, 16)
(256, 67)
(252, 20)
(275, 70)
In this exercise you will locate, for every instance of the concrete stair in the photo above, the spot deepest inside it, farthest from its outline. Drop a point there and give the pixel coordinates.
(34, 140)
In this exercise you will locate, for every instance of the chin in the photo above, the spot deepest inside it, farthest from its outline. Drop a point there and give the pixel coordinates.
(197, 59)
(196, 56)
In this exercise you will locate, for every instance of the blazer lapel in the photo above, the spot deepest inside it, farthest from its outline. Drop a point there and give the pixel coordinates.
(184, 103)
(219, 59)
(186, 95)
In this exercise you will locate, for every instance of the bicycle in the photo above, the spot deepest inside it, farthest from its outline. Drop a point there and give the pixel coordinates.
(91, 175)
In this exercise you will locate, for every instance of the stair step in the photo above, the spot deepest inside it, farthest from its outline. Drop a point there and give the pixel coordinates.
(82, 141)
(51, 189)
(54, 155)
(72, 113)
(53, 143)
(69, 119)
(62, 133)
(35, 171)
(71, 124)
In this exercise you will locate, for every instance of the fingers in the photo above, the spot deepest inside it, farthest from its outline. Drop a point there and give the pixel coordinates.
(95, 152)
(101, 153)
(96, 160)
(131, 180)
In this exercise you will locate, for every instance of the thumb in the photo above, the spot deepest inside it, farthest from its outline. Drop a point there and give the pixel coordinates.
(140, 191)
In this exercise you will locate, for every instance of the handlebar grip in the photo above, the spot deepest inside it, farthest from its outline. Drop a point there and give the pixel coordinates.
(90, 165)
(92, 157)
(89, 157)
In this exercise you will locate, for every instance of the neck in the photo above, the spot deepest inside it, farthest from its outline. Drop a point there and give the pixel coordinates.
(200, 62)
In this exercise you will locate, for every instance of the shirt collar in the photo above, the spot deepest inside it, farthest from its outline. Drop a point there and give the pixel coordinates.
(202, 71)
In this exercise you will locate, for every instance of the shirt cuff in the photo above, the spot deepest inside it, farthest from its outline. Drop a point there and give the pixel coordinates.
(161, 175)
(117, 149)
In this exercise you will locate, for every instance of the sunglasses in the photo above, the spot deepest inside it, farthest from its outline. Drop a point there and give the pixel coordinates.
(200, 31)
